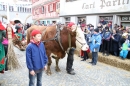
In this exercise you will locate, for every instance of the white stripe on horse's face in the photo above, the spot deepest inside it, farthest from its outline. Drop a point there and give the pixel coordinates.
(81, 43)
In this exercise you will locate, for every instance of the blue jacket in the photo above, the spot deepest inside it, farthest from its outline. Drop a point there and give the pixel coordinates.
(95, 42)
(36, 57)
(107, 35)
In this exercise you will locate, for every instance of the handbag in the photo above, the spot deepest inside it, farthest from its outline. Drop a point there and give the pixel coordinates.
(5, 41)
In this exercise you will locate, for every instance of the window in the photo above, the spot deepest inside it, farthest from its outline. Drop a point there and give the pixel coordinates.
(4, 7)
(30, 10)
(18, 9)
(67, 20)
(107, 19)
(21, 9)
(25, 9)
(1, 7)
(57, 5)
(11, 8)
(51, 7)
(42, 9)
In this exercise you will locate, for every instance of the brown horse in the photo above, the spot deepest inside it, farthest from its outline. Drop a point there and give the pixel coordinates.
(57, 49)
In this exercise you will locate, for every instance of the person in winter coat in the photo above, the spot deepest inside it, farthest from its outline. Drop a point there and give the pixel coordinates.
(36, 58)
(125, 46)
(106, 41)
(2, 50)
(115, 42)
(84, 54)
(95, 43)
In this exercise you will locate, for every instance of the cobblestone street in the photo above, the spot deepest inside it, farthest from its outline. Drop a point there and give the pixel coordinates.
(86, 75)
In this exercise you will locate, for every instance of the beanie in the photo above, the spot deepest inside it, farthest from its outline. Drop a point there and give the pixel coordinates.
(96, 30)
(107, 28)
(34, 32)
(1, 26)
(70, 24)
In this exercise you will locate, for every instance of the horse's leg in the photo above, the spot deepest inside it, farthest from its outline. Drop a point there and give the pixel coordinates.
(57, 67)
(48, 66)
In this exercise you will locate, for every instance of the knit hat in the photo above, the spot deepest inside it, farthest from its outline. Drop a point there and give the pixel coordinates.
(106, 28)
(96, 30)
(124, 34)
(34, 32)
(1, 26)
(70, 24)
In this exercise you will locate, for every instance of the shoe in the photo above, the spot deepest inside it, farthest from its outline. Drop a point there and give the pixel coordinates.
(107, 54)
(6, 70)
(71, 72)
(103, 54)
(93, 64)
(83, 60)
(90, 62)
(72, 69)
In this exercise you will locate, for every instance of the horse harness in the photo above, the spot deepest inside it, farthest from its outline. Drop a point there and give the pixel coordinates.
(56, 37)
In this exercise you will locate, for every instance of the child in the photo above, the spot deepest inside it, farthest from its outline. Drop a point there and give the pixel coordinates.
(36, 58)
(95, 43)
(125, 46)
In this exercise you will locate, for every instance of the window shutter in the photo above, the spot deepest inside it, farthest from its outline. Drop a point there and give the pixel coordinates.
(54, 7)
(40, 9)
(49, 8)
(44, 10)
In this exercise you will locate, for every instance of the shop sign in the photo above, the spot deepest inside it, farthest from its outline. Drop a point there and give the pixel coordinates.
(94, 6)
(105, 3)
(125, 18)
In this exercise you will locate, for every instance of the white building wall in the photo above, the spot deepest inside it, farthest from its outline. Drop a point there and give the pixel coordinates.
(74, 19)
(94, 9)
(21, 16)
(62, 20)
(92, 20)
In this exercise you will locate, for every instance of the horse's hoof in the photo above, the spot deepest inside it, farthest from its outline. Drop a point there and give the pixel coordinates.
(48, 73)
(57, 69)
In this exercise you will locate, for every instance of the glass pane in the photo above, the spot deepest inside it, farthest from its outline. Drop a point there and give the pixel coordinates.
(126, 24)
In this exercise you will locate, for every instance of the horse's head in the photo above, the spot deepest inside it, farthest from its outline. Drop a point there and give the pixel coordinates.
(81, 43)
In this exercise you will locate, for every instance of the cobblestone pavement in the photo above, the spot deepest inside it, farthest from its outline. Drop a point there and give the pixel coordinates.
(86, 75)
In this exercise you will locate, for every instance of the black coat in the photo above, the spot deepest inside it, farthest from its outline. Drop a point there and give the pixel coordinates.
(115, 43)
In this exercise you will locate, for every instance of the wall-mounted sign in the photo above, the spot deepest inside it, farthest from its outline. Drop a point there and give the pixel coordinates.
(94, 6)
(125, 18)
(107, 18)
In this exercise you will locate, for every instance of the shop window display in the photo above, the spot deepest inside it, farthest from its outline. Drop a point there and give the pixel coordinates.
(106, 20)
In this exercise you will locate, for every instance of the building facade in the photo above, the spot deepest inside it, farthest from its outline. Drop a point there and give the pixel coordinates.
(46, 11)
(20, 10)
(92, 11)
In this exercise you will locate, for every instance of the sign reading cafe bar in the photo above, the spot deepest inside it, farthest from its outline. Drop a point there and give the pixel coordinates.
(95, 6)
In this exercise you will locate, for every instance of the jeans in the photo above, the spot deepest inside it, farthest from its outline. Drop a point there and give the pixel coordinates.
(94, 57)
(32, 79)
(123, 53)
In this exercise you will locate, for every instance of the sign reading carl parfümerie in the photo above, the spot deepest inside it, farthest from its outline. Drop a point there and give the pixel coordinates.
(94, 6)
(105, 3)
